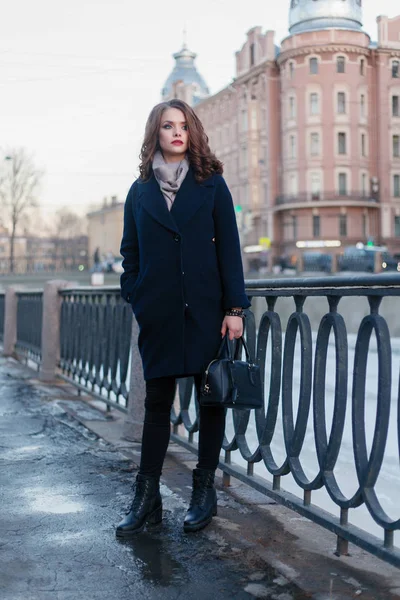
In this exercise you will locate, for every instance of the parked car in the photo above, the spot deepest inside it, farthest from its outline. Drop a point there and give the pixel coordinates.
(317, 261)
(362, 258)
(117, 266)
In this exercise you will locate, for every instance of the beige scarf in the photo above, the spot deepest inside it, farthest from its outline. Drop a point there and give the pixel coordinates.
(169, 176)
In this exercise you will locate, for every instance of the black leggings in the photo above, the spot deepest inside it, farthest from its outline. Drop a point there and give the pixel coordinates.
(160, 395)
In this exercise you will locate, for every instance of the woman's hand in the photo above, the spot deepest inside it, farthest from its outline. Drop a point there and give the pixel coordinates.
(234, 325)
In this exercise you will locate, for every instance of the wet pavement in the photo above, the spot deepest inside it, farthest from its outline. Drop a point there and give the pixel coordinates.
(62, 492)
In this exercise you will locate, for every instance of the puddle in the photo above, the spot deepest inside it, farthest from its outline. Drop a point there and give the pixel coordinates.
(151, 556)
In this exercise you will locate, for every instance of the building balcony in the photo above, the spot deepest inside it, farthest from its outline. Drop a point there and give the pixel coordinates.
(323, 199)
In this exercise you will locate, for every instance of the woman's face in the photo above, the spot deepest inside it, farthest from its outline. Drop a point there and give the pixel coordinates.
(173, 135)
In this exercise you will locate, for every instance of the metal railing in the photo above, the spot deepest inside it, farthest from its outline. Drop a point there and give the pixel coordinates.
(29, 325)
(276, 354)
(309, 197)
(2, 314)
(305, 349)
(95, 342)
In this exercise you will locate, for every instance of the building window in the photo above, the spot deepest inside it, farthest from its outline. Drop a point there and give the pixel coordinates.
(341, 103)
(364, 185)
(342, 184)
(245, 120)
(315, 186)
(397, 226)
(362, 105)
(293, 185)
(396, 186)
(362, 67)
(343, 225)
(292, 108)
(316, 222)
(244, 157)
(342, 149)
(395, 106)
(364, 227)
(291, 70)
(314, 145)
(294, 225)
(313, 66)
(340, 64)
(252, 54)
(314, 104)
(395, 69)
(292, 147)
(396, 146)
(363, 145)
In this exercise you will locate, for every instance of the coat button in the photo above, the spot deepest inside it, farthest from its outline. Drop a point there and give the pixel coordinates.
(177, 238)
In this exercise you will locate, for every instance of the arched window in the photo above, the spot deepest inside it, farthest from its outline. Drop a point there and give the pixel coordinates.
(314, 66)
(314, 104)
(314, 144)
(341, 103)
(340, 64)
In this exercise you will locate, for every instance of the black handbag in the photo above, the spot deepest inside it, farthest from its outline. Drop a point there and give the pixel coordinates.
(230, 382)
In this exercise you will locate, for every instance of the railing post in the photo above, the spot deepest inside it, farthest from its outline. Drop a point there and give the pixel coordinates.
(10, 322)
(51, 329)
(133, 426)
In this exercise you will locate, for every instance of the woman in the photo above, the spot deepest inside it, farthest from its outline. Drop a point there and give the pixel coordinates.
(183, 277)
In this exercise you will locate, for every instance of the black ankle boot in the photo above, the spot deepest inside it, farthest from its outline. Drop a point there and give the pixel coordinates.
(146, 507)
(203, 504)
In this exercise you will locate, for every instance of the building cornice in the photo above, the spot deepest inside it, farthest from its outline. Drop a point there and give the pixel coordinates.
(311, 204)
(320, 48)
(392, 51)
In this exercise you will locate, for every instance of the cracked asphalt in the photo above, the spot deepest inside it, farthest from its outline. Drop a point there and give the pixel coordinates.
(62, 492)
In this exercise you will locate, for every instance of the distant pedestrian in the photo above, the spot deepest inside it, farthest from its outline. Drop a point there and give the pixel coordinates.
(183, 276)
(109, 261)
(96, 260)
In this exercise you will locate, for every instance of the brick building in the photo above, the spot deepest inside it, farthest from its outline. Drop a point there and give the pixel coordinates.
(310, 131)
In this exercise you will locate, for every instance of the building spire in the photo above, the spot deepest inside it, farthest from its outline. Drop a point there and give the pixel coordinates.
(184, 37)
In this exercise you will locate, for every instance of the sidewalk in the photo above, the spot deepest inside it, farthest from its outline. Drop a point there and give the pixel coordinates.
(65, 481)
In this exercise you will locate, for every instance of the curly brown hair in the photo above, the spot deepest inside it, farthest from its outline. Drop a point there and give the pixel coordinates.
(203, 162)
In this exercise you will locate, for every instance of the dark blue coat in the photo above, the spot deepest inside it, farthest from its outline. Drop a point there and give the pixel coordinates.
(182, 269)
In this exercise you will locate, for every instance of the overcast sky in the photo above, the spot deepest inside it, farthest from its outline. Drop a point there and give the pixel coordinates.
(79, 77)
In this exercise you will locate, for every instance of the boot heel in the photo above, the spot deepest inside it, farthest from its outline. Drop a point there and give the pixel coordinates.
(156, 517)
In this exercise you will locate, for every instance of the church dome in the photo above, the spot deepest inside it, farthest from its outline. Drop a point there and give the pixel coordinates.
(307, 15)
(186, 74)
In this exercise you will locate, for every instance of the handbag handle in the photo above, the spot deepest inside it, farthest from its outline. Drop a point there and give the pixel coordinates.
(241, 340)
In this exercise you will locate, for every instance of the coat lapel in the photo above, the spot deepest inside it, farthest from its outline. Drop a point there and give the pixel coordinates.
(190, 197)
(153, 202)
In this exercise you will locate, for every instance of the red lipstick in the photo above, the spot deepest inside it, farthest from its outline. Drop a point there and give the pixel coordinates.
(177, 143)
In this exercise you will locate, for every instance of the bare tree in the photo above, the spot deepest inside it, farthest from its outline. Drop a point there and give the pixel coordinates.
(66, 226)
(19, 183)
